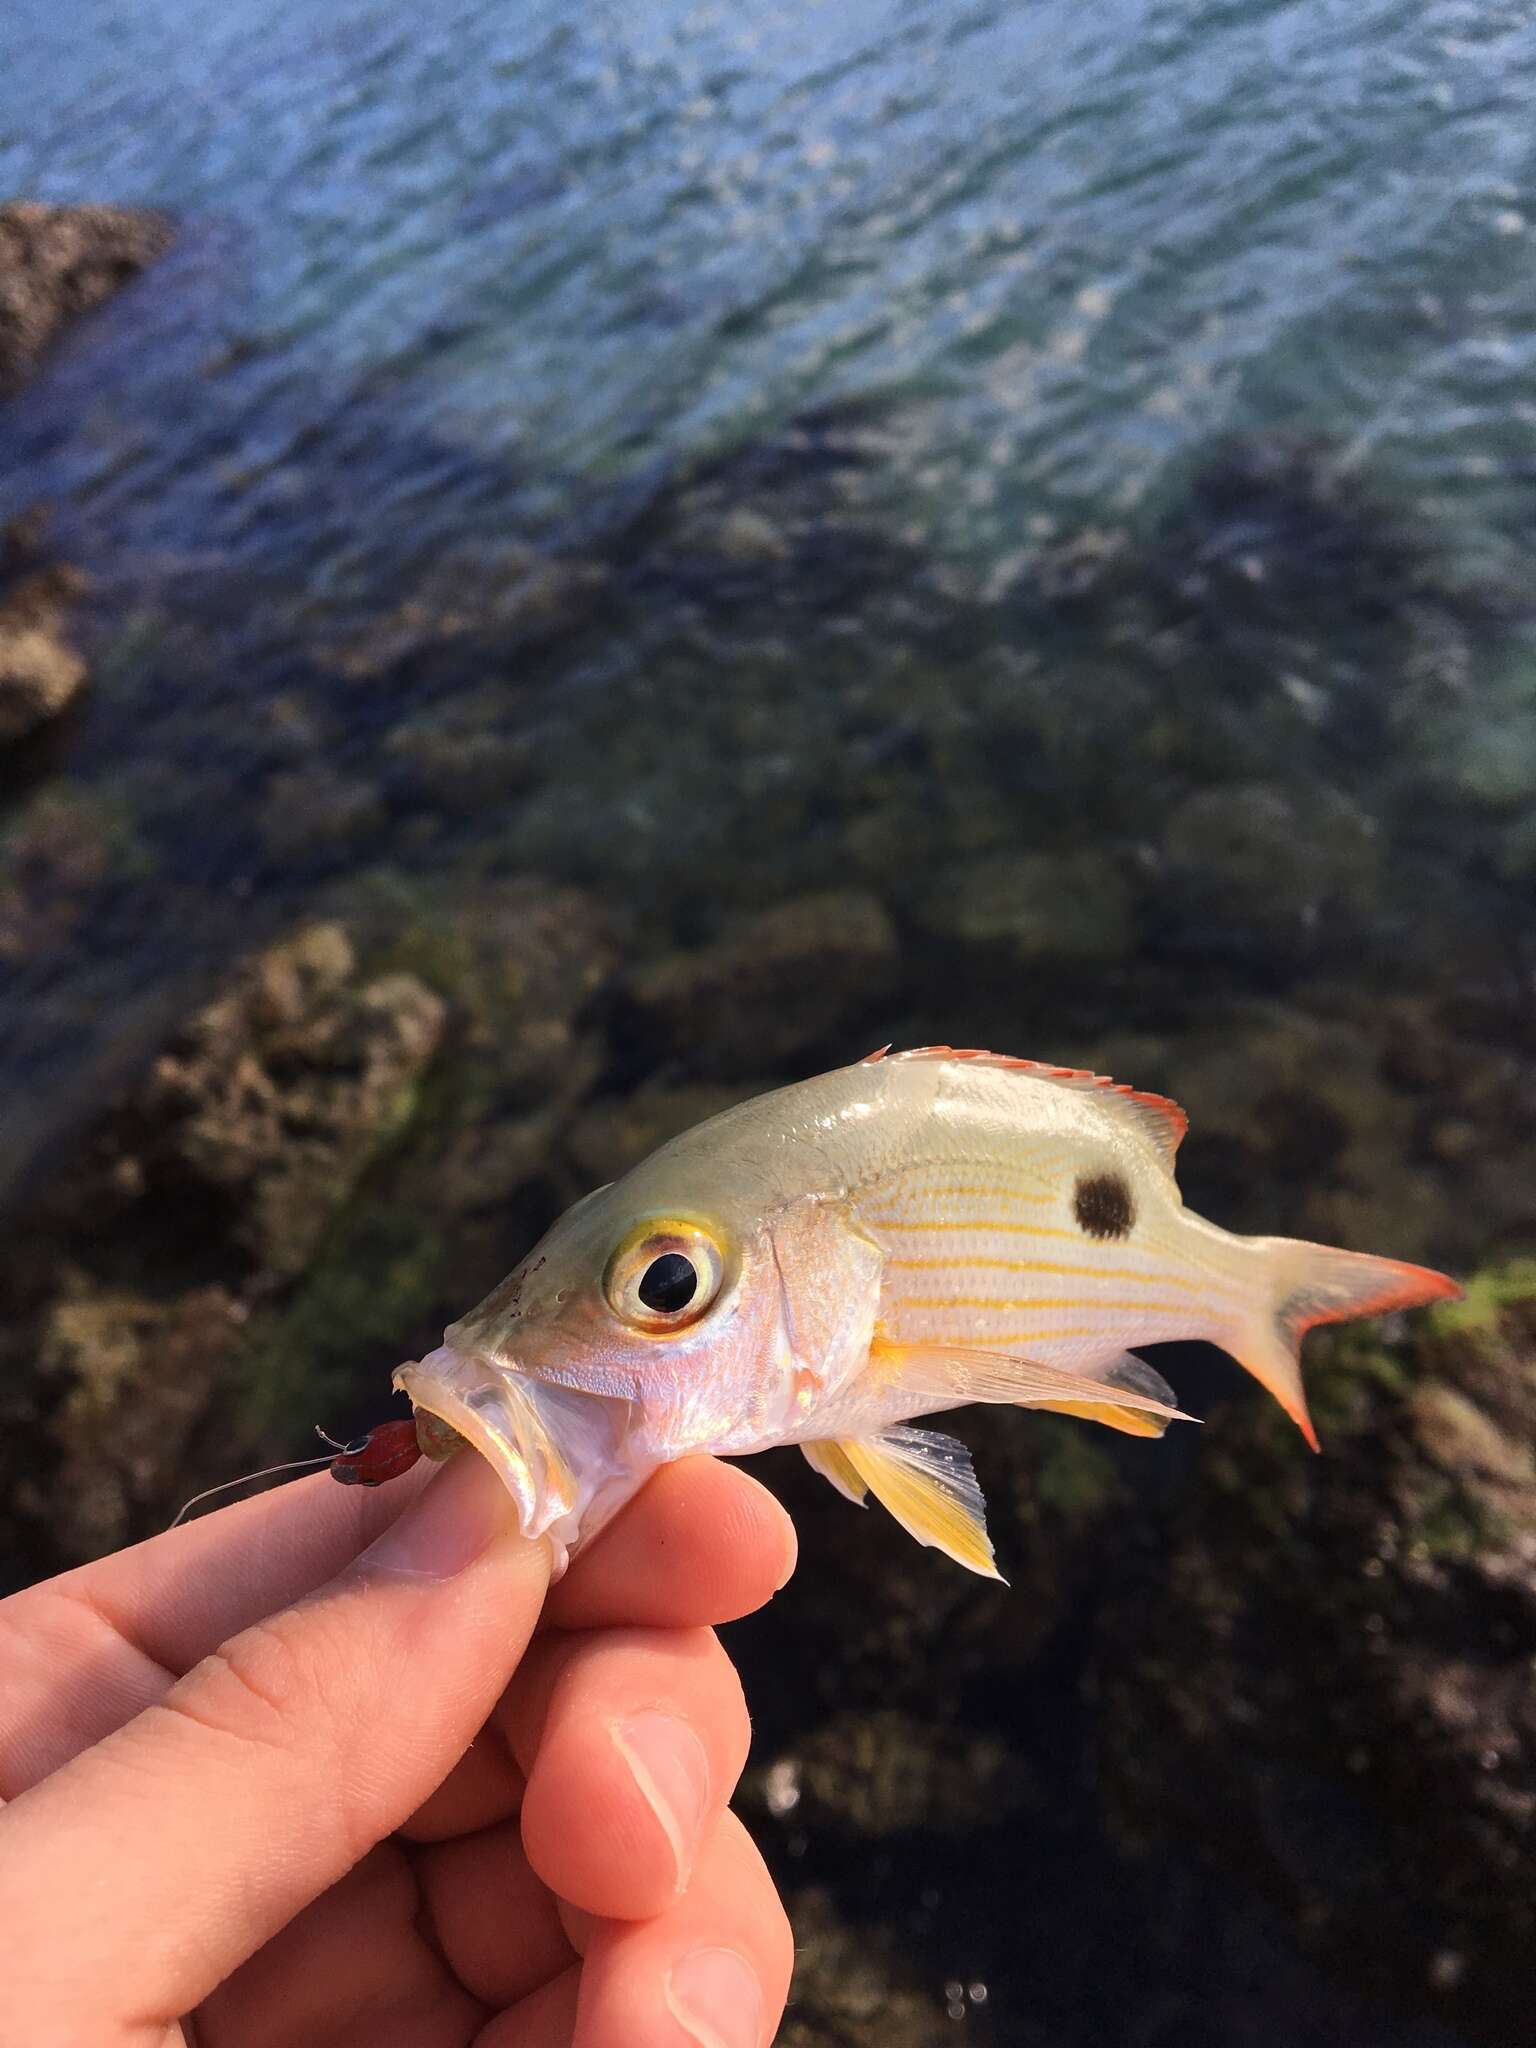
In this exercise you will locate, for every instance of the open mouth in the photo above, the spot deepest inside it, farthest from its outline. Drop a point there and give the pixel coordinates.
(558, 1453)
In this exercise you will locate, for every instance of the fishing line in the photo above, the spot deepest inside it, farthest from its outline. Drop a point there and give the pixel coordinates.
(267, 1472)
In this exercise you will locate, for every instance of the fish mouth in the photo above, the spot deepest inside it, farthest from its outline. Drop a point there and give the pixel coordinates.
(559, 1453)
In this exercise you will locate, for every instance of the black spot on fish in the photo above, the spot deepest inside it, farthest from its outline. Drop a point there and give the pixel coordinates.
(1103, 1206)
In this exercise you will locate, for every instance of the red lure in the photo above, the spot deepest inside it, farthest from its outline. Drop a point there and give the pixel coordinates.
(388, 1449)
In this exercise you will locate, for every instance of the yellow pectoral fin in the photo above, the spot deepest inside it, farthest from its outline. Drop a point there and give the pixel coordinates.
(927, 1482)
(828, 1457)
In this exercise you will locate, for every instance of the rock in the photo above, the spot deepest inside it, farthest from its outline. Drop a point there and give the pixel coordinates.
(1256, 859)
(312, 813)
(779, 986)
(281, 1091)
(267, 1104)
(483, 1170)
(57, 262)
(514, 600)
(1031, 906)
(1390, 1805)
(748, 536)
(852, 1987)
(887, 1772)
(55, 858)
(41, 671)
(137, 1313)
(124, 1383)
(611, 1136)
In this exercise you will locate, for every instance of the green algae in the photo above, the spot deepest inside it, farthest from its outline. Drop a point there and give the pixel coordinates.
(1485, 1298)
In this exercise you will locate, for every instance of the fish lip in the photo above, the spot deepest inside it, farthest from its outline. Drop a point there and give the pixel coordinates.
(552, 1455)
(496, 1414)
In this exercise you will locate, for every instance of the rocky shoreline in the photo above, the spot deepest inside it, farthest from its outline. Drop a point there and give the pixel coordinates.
(57, 263)
(60, 262)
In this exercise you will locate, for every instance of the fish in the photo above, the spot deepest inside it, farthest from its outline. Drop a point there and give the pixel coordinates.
(828, 1263)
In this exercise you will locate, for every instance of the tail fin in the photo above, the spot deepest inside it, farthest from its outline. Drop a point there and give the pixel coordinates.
(1310, 1284)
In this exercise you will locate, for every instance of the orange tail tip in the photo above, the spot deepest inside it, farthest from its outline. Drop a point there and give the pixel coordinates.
(1312, 1284)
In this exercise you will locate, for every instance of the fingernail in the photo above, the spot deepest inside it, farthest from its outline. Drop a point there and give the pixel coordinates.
(668, 1764)
(715, 1996)
(460, 1511)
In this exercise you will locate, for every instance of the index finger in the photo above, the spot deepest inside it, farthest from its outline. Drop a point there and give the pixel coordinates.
(85, 1652)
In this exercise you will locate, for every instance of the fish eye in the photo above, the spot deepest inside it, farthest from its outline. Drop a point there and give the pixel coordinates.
(668, 1284)
(664, 1276)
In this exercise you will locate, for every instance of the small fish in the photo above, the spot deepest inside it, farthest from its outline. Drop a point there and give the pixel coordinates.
(826, 1263)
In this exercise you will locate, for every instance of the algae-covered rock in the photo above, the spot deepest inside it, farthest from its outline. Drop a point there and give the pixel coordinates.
(42, 671)
(1322, 1670)
(1032, 906)
(57, 855)
(1260, 859)
(126, 1309)
(274, 1096)
(57, 262)
(790, 979)
(885, 1772)
(127, 1380)
(852, 1986)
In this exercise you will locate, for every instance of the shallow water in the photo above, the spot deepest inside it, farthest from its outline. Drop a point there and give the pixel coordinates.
(1068, 472)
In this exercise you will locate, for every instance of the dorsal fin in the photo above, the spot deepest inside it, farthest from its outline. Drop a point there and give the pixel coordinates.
(1156, 1117)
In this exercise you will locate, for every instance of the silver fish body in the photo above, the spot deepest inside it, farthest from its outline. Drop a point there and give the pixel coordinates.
(827, 1262)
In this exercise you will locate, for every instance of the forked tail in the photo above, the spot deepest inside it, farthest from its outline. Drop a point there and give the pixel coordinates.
(1307, 1284)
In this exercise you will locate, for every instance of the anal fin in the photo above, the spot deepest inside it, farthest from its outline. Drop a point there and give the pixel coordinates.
(928, 1483)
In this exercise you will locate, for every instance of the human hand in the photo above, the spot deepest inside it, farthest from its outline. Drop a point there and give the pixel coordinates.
(267, 1793)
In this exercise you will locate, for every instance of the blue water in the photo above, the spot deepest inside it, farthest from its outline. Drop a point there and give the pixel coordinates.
(458, 295)
(1075, 241)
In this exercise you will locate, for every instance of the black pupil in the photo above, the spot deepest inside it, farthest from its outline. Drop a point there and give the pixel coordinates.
(668, 1284)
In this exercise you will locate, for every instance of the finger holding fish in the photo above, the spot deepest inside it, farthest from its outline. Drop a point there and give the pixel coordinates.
(713, 1968)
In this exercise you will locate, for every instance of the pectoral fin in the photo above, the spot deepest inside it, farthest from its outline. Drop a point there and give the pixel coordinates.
(1128, 1395)
(928, 1483)
(833, 1463)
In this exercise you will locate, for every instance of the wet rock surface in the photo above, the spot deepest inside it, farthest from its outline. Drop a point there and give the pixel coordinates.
(1320, 1670)
(42, 670)
(57, 262)
(196, 1198)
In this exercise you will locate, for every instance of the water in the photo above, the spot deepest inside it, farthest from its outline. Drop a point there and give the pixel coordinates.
(1069, 471)
(458, 297)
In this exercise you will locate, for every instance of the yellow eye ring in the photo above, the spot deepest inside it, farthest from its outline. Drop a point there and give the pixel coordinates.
(664, 1275)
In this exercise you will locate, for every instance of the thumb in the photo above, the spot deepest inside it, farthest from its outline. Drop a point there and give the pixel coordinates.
(138, 1876)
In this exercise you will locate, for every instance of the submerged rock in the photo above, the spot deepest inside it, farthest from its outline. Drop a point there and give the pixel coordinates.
(886, 1772)
(56, 857)
(57, 262)
(41, 669)
(774, 988)
(1035, 906)
(1322, 1672)
(126, 1309)
(273, 1098)
(852, 1987)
